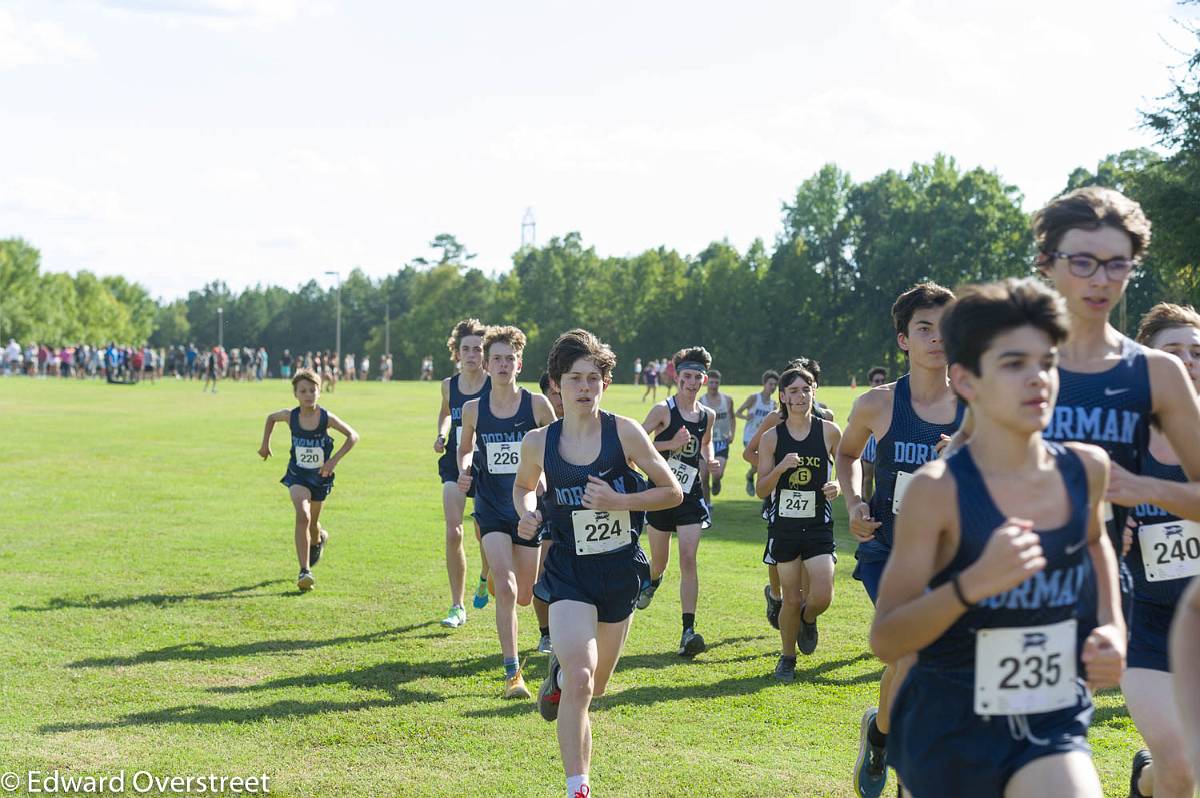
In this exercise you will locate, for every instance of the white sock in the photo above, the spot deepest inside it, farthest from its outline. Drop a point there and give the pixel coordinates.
(558, 678)
(577, 786)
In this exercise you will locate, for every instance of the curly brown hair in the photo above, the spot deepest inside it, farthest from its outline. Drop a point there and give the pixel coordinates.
(464, 329)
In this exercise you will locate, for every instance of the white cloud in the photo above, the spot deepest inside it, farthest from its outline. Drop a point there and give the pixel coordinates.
(223, 14)
(37, 43)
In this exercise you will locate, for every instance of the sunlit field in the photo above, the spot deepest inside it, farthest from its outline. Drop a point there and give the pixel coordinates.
(151, 620)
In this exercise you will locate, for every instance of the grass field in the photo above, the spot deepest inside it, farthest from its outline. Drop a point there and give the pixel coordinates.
(151, 621)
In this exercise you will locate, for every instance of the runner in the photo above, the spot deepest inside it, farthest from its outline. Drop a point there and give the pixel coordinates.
(1163, 557)
(541, 605)
(724, 428)
(651, 375)
(595, 514)
(494, 424)
(753, 411)
(1185, 647)
(683, 427)
(984, 582)
(793, 472)
(466, 349)
(311, 462)
(909, 418)
(875, 377)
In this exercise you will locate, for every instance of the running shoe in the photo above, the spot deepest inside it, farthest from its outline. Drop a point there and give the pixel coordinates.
(305, 581)
(774, 605)
(515, 687)
(749, 483)
(1140, 760)
(545, 646)
(806, 641)
(691, 644)
(314, 552)
(716, 487)
(455, 618)
(646, 594)
(870, 769)
(785, 669)
(550, 693)
(480, 599)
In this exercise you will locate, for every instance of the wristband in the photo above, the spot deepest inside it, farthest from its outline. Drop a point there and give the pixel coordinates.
(958, 592)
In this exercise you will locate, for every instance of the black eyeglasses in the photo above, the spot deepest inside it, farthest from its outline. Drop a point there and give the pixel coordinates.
(1084, 264)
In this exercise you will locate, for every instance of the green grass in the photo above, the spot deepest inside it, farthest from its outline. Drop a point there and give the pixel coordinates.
(151, 620)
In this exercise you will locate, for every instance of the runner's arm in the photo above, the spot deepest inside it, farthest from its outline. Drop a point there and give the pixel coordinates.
(750, 451)
(641, 451)
(443, 422)
(1185, 647)
(278, 417)
(742, 412)
(1177, 412)
(529, 472)
(768, 471)
(348, 444)
(466, 436)
(543, 411)
(859, 427)
(733, 419)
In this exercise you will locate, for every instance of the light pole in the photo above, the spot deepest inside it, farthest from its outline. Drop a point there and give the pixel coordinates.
(337, 348)
(387, 328)
(220, 328)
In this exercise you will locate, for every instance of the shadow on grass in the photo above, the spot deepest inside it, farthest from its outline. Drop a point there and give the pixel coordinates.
(670, 658)
(387, 677)
(94, 602)
(204, 651)
(743, 685)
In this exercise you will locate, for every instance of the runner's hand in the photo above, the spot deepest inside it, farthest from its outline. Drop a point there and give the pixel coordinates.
(1127, 536)
(265, 451)
(831, 490)
(790, 460)
(1104, 657)
(1123, 487)
(327, 469)
(681, 439)
(527, 527)
(940, 446)
(1012, 555)
(464, 480)
(439, 444)
(862, 525)
(599, 495)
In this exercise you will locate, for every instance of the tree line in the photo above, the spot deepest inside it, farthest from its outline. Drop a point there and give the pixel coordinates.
(823, 287)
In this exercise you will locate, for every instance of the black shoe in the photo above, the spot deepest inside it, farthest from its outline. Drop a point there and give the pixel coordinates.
(314, 552)
(750, 483)
(774, 605)
(691, 644)
(806, 641)
(785, 669)
(1140, 760)
(716, 487)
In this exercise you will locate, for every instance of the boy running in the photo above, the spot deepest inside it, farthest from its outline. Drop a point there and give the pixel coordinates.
(983, 584)
(594, 505)
(466, 348)
(793, 470)
(494, 425)
(756, 408)
(910, 418)
(682, 427)
(724, 428)
(311, 462)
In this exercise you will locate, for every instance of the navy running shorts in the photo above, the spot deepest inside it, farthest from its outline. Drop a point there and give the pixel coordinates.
(448, 472)
(319, 487)
(609, 582)
(690, 511)
(806, 545)
(940, 747)
(489, 525)
(721, 449)
(1148, 636)
(870, 572)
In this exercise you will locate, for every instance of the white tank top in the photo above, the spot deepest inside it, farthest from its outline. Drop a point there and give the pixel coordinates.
(759, 411)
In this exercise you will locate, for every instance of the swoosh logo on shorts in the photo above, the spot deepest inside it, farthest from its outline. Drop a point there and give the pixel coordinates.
(1115, 391)
(1076, 547)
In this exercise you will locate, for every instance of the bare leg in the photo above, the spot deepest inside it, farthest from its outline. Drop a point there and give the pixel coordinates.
(660, 551)
(818, 594)
(500, 550)
(788, 574)
(574, 630)
(454, 501)
(776, 587)
(1150, 697)
(1070, 774)
(314, 523)
(689, 578)
(302, 501)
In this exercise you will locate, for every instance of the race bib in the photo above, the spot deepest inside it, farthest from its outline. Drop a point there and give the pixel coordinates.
(683, 472)
(798, 503)
(1025, 670)
(310, 456)
(503, 457)
(599, 531)
(901, 487)
(1170, 550)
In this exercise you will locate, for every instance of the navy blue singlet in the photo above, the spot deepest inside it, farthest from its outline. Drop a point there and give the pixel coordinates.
(495, 467)
(310, 461)
(1166, 592)
(448, 462)
(565, 484)
(909, 443)
(1110, 409)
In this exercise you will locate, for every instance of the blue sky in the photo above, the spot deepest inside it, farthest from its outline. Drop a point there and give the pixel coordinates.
(180, 141)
